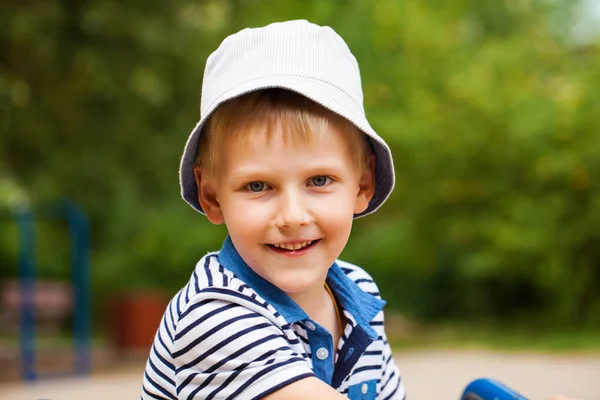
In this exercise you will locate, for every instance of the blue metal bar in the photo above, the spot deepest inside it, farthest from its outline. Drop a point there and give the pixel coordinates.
(80, 271)
(27, 273)
(79, 230)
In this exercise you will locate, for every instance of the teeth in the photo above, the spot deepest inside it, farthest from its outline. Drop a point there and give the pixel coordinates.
(293, 246)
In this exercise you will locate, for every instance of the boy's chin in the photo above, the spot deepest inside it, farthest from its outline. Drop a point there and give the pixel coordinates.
(299, 286)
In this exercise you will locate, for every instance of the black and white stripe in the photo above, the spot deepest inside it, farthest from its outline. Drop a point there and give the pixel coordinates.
(219, 339)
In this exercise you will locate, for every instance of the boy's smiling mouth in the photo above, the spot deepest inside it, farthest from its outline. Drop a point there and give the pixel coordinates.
(293, 247)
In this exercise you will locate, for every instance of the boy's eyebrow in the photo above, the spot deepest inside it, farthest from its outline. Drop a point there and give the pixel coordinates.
(313, 165)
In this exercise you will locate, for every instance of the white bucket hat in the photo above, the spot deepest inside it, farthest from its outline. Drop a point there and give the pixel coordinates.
(294, 55)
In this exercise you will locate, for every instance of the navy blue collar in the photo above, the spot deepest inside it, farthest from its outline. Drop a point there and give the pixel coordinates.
(361, 305)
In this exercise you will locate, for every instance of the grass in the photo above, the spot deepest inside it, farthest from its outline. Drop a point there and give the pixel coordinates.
(48, 341)
(441, 336)
(521, 340)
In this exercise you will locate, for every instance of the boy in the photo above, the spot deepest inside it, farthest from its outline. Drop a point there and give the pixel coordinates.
(284, 156)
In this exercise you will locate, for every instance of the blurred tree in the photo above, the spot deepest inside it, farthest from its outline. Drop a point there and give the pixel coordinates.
(489, 108)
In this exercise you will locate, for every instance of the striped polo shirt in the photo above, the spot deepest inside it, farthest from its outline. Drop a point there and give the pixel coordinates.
(229, 334)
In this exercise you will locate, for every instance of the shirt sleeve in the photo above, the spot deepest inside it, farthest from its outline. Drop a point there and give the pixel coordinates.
(392, 386)
(231, 347)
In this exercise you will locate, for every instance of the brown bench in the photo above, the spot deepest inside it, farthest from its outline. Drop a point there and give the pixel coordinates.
(52, 304)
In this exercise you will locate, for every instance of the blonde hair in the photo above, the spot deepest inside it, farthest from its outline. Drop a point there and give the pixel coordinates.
(270, 108)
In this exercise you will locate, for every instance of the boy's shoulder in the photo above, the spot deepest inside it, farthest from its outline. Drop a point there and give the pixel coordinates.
(360, 277)
(211, 277)
(209, 273)
(211, 281)
(353, 271)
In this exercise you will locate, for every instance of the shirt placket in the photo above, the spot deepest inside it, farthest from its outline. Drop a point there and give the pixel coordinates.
(322, 350)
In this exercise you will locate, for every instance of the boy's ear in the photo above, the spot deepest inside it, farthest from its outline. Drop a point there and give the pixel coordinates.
(207, 197)
(366, 186)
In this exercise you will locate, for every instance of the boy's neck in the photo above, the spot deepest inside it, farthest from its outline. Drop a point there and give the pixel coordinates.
(313, 302)
(319, 306)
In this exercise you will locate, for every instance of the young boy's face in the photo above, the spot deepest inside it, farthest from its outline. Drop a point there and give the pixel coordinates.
(288, 207)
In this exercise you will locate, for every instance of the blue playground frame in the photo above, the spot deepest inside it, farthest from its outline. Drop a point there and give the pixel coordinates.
(79, 231)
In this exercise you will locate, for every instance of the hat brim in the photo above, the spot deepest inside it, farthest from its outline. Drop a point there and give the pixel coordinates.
(323, 93)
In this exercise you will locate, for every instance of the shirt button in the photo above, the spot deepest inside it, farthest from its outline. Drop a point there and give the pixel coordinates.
(365, 388)
(322, 353)
(310, 325)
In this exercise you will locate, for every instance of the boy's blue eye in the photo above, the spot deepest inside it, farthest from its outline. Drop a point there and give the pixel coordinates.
(319, 180)
(256, 186)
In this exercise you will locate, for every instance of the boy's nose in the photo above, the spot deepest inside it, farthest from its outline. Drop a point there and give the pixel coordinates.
(292, 211)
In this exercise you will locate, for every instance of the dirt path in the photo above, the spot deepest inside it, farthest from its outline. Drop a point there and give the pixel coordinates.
(428, 375)
(444, 374)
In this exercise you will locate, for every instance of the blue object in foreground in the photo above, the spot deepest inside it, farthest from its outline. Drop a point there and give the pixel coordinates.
(489, 389)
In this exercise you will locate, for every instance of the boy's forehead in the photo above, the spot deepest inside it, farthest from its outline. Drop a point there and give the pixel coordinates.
(260, 151)
(284, 132)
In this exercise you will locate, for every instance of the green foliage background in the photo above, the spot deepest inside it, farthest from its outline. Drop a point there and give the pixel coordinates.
(491, 109)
